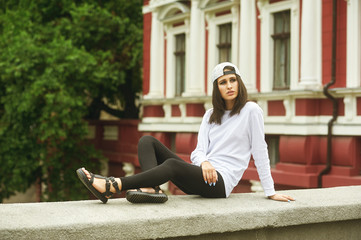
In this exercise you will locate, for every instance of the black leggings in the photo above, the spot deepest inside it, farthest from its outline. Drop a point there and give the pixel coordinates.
(160, 165)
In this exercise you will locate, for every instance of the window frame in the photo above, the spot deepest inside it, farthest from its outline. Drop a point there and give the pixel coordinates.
(179, 25)
(281, 37)
(227, 45)
(267, 44)
(177, 53)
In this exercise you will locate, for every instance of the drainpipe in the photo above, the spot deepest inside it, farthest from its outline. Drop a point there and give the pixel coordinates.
(329, 96)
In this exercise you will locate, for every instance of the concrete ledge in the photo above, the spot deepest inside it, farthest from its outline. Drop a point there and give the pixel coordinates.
(331, 213)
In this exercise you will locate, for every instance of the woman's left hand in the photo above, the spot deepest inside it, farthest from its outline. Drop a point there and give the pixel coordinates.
(281, 197)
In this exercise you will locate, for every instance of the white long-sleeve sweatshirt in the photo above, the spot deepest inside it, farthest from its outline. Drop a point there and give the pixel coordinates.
(229, 146)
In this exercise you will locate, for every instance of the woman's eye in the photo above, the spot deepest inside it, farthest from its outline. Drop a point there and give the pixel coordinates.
(233, 80)
(222, 83)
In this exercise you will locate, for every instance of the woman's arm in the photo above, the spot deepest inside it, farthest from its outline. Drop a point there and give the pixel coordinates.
(259, 150)
(260, 155)
(199, 155)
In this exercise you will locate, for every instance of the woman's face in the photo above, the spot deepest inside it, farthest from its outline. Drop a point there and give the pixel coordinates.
(228, 87)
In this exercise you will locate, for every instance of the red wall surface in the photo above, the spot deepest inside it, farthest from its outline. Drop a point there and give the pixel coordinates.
(147, 23)
(276, 108)
(340, 42)
(318, 107)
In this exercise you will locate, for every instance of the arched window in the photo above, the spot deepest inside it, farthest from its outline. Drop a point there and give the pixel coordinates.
(175, 20)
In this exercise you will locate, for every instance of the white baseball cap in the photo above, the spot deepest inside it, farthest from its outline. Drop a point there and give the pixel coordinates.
(218, 70)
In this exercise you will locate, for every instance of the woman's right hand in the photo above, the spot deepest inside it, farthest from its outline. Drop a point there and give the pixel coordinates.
(209, 173)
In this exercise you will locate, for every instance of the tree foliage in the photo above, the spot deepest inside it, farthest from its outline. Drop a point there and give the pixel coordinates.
(62, 61)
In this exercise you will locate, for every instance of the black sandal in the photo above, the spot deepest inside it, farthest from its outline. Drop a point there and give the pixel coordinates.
(89, 184)
(143, 197)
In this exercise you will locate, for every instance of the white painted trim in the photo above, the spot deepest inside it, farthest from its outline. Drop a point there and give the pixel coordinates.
(311, 45)
(195, 81)
(167, 128)
(290, 108)
(295, 37)
(211, 54)
(204, 4)
(353, 66)
(347, 130)
(171, 120)
(156, 81)
(176, 6)
(247, 45)
(146, 9)
(235, 10)
(153, 4)
(311, 129)
(299, 119)
(350, 107)
(287, 129)
(308, 127)
(266, 16)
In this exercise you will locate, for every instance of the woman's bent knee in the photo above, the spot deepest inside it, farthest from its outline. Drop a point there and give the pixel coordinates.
(146, 139)
(171, 162)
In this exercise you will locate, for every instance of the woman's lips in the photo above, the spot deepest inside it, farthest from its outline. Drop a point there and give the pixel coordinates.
(230, 93)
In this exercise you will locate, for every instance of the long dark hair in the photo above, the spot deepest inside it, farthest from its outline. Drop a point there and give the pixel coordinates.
(219, 105)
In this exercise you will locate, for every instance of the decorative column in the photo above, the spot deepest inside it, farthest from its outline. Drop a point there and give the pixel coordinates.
(311, 53)
(247, 49)
(266, 68)
(212, 61)
(156, 61)
(353, 71)
(195, 81)
(235, 37)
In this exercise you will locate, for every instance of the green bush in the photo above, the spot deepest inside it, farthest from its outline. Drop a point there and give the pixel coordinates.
(60, 63)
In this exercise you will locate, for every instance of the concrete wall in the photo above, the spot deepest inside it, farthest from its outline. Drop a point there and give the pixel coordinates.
(330, 213)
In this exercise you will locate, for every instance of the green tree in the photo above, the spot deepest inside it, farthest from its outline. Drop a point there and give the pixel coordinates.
(62, 62)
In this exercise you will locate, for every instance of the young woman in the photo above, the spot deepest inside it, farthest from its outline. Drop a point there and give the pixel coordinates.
(229, 134)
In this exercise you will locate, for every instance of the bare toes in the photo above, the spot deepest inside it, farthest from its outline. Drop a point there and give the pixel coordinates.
(86, 173)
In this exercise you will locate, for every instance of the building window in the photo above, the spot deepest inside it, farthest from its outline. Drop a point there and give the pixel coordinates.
(273, 143)
(225, 42)
(281, 38)
(179, 53)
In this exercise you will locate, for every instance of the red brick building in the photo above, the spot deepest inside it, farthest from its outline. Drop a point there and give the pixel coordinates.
(284, 52)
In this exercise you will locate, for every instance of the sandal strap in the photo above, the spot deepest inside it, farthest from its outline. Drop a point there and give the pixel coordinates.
(115, 184)
(156, 189)
(107, 192)
(99, 176)
(91, 178)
